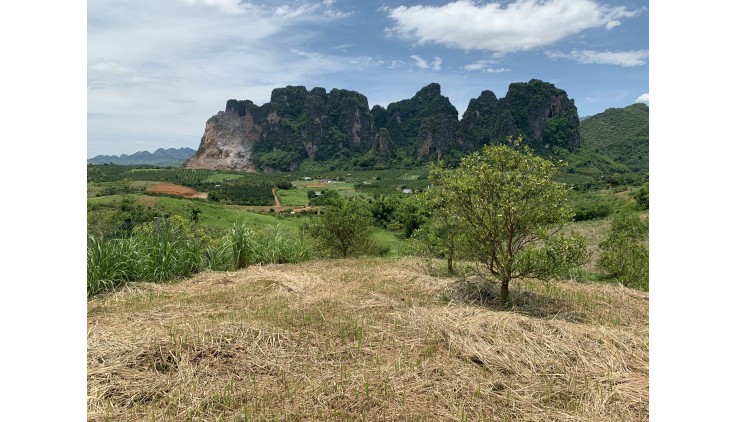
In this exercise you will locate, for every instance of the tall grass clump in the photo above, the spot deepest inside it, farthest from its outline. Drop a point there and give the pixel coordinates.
(106, 264)
(170, 252)
(270, 246)
(176, 249)
(242, 245)
(279, 247)
(155, 254)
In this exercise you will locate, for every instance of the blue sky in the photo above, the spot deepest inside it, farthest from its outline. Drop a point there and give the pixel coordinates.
(156, 71)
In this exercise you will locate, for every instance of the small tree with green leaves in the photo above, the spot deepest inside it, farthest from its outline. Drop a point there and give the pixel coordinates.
(442, 234)
(343, 228)
(510, 207)
(624, 253)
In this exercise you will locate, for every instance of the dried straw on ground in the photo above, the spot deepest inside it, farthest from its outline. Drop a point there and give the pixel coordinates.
(377, 339)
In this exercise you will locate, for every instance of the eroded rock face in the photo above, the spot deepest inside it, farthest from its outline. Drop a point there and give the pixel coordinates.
(439, 136)
(226, 144)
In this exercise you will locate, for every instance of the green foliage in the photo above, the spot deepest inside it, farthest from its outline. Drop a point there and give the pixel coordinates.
(153, 253)
(175, 248)
(241, 239)
(559, 256)
(383, 208)
(620, 134)
(344, 228)
(593, 205)
(277, 246)
(277, 159)
(326, 197)
(442, 233)
(411, 214)
(267, 246)
(508, 203)
(242, 192)
(641, 197)
(624, 253)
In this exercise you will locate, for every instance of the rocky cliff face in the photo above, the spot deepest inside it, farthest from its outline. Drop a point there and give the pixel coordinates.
(298, 124)
(226, 144)
(543, 114)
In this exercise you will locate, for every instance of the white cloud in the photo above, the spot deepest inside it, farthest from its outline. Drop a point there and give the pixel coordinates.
(517, 26)
(420, 62)
(619, 58)
(423, 63)
(643, 98)
(436, 64)
(485, 66)
(148, 62)
(229, 6)
(108, 66)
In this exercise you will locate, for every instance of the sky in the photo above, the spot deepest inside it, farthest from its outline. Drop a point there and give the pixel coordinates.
(157, 70)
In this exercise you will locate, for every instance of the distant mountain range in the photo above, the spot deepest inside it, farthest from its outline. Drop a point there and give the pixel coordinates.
(161, 157)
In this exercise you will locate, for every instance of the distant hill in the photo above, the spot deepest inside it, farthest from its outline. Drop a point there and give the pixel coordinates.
(161, 157)
(615, 125)
(621, 134)
(613, 148)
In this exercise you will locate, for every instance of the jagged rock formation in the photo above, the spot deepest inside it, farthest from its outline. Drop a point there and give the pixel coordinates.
(298, 125)
(543, 114)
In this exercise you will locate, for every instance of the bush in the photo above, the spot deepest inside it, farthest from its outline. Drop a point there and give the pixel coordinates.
(624, 253)
(641, 197)
(344, 228)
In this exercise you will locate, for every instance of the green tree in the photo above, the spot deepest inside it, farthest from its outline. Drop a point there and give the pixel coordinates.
(624, 253)
(442, 235)
(411, 214)
(343, 228)
(510, 207)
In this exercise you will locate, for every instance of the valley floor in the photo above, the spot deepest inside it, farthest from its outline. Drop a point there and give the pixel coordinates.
(377, 339)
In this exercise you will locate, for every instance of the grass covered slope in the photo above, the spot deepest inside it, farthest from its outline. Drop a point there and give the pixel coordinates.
(370, 338)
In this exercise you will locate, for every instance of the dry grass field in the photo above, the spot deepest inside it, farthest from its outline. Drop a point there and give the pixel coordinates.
(368, 339)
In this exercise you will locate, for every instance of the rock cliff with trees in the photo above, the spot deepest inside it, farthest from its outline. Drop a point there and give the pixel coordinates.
(338, 126)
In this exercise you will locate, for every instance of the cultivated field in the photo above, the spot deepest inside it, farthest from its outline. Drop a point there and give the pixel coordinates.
(172, 189)
(370, 339)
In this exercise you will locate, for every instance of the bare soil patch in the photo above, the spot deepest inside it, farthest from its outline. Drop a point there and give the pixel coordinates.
(172, 189)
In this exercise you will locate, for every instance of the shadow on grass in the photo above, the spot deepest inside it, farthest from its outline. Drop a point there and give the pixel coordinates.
(484, 294)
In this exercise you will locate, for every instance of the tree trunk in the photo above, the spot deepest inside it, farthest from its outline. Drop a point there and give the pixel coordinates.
(504, 292)
(450, 264)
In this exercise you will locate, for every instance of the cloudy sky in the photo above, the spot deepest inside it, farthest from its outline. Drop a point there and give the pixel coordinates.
(157, 70)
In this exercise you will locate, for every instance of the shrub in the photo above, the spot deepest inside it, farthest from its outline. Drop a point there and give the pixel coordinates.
(624, 253)
(344, 228)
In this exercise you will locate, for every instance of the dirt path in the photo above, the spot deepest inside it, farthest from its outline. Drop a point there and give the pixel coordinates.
(276, 199)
